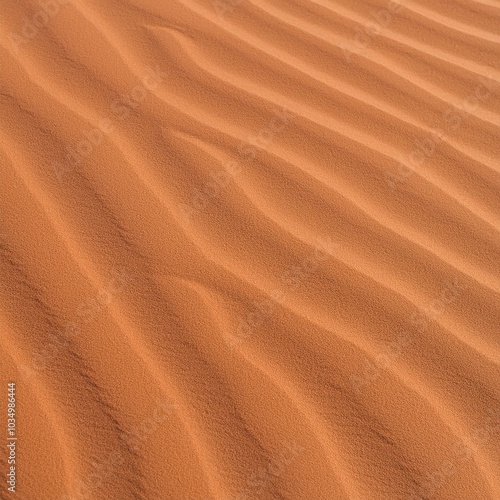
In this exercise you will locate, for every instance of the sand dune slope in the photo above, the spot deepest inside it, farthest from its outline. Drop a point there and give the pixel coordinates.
(250, 249)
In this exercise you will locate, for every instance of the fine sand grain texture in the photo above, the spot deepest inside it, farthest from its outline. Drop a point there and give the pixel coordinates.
(250, 249)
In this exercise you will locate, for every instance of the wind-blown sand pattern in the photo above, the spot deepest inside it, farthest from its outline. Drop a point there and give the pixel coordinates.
(250, 249)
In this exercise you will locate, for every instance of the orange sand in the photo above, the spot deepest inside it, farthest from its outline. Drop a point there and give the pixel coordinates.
(250, 249)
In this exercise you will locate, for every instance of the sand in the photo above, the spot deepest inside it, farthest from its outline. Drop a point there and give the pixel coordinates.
(250, 249)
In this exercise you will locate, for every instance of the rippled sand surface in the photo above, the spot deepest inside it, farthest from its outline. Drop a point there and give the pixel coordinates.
(250, 249)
